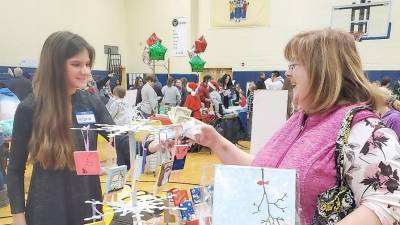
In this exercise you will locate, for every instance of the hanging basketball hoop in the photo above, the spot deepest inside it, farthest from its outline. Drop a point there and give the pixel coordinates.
(357, 36)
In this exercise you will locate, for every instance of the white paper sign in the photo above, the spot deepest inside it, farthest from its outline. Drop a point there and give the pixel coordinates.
(269, 114)
(179, 37)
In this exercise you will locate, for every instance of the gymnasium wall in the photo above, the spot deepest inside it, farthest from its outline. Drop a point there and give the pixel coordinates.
(127, 23)
(25, 24)
(262, 48)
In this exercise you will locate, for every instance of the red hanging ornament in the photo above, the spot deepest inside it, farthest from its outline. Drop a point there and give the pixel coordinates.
(200, 45)
(153, 39)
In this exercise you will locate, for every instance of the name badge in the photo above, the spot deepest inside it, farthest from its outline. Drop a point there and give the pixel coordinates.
(85, 117)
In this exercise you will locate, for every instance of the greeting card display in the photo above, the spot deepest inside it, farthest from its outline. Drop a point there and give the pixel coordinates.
(254, 195)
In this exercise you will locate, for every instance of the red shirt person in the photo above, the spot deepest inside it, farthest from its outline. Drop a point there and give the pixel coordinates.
(193, 101)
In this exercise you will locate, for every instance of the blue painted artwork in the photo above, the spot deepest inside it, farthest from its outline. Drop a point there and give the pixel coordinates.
(187, 213)
(196, 195)
(254, 195)
(116, 178)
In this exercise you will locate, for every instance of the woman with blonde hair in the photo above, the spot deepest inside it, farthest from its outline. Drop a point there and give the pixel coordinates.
(388, 107)
(42, 123)
(329, 87)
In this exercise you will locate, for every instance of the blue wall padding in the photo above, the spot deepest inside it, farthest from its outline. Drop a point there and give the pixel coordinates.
(162, 77)
(240, 76)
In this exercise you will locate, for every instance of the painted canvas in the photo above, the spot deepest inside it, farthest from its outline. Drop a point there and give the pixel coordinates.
(268, 196)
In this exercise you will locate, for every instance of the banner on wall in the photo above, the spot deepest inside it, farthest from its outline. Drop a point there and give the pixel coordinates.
(240, 13)
(179, 36)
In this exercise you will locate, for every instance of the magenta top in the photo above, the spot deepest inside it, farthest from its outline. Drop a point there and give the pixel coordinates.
(307, 144)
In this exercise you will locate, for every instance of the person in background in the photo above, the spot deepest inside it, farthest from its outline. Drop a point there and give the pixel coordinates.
(193, 101)
(20, 85)
(157, 88)
(287, 85)
(235, 94)
(184, 92)
(385, 82)
(119, 110)
(4, 201)
(42, 137)
(227, 85)
(326, 72)
(388, 108)
(242, 102)
(277, 81)
(203, 93)
(250, 98)
(100, 84)
(260, 84)
(139, 83)
(149, 103)
(172, 96)
(216, 99)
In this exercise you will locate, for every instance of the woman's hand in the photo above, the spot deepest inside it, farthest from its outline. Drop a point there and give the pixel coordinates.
(207, 136)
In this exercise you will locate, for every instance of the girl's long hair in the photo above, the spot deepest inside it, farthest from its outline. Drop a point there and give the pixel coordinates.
(50, 144)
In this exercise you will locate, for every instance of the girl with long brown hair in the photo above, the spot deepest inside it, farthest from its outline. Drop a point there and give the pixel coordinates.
(43, 136)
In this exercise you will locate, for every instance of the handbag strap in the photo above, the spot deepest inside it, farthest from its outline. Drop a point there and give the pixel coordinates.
(342, 140)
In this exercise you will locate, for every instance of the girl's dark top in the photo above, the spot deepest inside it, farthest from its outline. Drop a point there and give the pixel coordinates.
(56, 196)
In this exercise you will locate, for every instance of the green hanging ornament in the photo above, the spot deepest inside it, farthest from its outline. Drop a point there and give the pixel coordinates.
(157, 51)
(197, 64)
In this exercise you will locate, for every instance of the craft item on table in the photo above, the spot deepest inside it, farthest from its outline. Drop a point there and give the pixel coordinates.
(116, 177)
(203, 213)
(187, 211)
(179, 196)
(165, 172)
(180, 157)
(208, 194)
(269, 196)
(146, 208)
(196, 195)
(192, 222)
(87, 162)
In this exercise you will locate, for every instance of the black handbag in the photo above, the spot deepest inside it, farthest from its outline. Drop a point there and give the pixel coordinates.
(337, 202)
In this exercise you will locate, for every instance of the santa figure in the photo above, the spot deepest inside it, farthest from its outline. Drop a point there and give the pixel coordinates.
(193, 101)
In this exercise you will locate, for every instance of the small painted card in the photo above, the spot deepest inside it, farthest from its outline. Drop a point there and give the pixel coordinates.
(180, 157)
(165, 173)
(265, 196)
(116, 177)
(87, 163)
